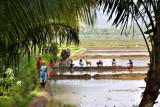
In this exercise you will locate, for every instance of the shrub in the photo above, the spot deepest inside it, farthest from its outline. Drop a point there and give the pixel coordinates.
(54, 46)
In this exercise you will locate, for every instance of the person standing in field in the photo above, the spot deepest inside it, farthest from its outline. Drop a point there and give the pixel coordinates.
(68, 53)
(81, 63)
(55, 56)
(63, 54)
(43, 75)
(39, 65)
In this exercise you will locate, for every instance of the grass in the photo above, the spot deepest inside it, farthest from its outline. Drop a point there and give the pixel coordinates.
(6, 101)
(112, 43)
(30, 96)
(111, 40)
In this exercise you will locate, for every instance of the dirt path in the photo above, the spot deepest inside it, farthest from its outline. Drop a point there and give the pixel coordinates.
(43, 96)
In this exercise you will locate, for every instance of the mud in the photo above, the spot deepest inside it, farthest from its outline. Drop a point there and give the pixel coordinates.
(77, 57)
(132, 76)
(131, 48)
(42, 98)
(92, 73)
(107, 68)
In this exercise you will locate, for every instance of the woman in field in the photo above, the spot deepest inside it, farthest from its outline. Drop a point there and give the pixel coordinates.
(114, 62)
(81, 63)
(130, 64)
(43, 75)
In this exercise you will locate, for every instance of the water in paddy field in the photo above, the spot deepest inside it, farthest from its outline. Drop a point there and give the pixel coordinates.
(117, 50)
(96, 93)
(92, 73)
(108, 62)
(117, 53)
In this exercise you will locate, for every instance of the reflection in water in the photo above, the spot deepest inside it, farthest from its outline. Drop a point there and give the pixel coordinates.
(98, 93)
(92, 73)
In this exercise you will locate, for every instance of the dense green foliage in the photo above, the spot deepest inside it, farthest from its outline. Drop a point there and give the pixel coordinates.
(26, 25)
(54, 46)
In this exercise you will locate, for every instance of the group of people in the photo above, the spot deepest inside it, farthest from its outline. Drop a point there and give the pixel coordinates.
(130, 64)
(100, 63)
(43, 74)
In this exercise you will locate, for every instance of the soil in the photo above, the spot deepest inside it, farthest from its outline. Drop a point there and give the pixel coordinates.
(42, 98)
(132, 48)
(99, 76)
(77, 57)
(107, 68)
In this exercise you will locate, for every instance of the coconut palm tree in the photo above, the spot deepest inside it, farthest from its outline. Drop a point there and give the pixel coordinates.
(27, 24)
(147, 12)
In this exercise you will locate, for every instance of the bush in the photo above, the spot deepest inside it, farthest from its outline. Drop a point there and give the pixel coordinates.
(54, 46)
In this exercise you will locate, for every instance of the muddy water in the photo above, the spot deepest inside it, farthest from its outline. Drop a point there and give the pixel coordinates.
(117, 53)
(92, 73)
(108, 62)
(96, 93)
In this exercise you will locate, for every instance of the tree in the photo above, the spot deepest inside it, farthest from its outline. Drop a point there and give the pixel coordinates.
(147, 12)
(28, 24)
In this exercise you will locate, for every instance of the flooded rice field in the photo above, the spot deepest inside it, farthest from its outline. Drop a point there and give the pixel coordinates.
(96, 93)
(122, 62)
(92, 73)
(119, 53)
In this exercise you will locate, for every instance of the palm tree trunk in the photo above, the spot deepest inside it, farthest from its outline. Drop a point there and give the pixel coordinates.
(49, 45)
(153, 80)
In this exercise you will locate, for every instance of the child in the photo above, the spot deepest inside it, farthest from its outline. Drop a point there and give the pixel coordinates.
(61, 64)
(51, 64)
(114, 62)
(81, 63)
(130, 64)
(71, 64)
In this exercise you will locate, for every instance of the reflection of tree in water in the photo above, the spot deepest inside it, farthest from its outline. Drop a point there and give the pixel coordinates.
(53, 103)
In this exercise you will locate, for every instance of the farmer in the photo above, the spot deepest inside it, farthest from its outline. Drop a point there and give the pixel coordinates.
(63, 54)
(68, 53)
(39, 65)
(61, 64)
(100, 63)
(81, 63)
(130, 64)
(55, 56)
(71, 64)
(43, 75)
(51, 64)
(114, 62)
